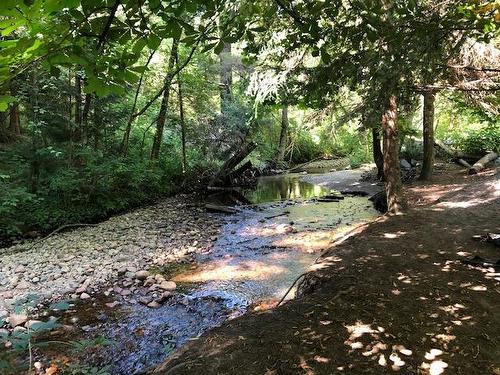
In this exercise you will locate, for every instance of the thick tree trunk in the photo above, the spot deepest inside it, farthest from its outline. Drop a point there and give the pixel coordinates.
(162, 115)
(226, 79)
(14, 120)
(391, 156)
(378, 156)
(428, 133)
(283, 134)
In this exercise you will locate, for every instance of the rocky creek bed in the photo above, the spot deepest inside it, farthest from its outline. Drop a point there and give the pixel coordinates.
(153, 279)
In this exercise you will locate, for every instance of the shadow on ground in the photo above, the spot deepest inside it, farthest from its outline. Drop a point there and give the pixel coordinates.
(395, 297)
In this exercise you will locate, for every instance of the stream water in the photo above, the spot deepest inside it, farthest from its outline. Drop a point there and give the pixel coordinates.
(258, 255)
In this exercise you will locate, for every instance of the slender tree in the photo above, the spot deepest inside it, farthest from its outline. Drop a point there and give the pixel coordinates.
(162, 114)
(428, 135)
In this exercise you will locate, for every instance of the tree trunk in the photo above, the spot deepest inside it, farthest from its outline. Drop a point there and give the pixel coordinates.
(226, 79)
(428, 133)
(283, 134)
(378, 156)
(14, 118)
(128, 129)
(85, 117)
(162, 115)
(391, 156)
(78, 102)
(181, 117)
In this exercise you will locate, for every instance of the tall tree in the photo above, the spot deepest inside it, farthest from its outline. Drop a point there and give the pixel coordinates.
(428, 134)
(392, 171)
(162, 114)
(283, 133)
(226, 78)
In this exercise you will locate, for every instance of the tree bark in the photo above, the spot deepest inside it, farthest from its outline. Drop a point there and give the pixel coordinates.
(78, 102)
(181, 118)
(14, 118)
(85, 116)
(128, 129)
(162, 115)
(428, 134)
(391, 156)
(283, 134)
(226, 79)
(378, 156)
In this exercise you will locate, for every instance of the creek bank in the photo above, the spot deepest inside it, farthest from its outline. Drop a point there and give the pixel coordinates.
(84, 260)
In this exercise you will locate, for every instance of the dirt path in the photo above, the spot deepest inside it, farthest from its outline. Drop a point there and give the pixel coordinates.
(395, 297)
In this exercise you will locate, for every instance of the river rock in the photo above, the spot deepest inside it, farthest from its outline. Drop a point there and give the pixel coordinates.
(31, 323)
(145, 300)
(154, 305)
(84, 296)
(142, 275)
(168, 285)
(17, 319)
(404, 164)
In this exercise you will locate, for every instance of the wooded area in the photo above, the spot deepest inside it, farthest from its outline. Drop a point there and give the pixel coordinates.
(107, 105)
(110, 105)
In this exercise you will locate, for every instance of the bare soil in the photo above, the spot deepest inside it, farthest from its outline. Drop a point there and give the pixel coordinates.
(393, 297)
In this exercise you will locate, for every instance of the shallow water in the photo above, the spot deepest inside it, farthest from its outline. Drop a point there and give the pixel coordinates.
(283, 187)
(256, 258)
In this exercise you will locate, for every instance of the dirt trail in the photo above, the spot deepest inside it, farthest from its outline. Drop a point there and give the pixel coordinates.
(395, 297)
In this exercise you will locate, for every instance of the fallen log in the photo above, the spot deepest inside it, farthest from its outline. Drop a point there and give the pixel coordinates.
(241, 153)
(481, 163)
(223, 209)
(463, 163)
(455, 155)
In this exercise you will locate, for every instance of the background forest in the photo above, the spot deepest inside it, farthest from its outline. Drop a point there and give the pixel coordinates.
(107, 105)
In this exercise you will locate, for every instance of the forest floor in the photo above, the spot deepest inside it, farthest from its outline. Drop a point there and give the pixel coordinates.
(394, 297)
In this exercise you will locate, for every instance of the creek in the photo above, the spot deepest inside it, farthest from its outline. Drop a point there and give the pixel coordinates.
(259, 253)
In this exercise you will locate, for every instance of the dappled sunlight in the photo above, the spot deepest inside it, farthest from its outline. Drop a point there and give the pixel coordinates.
(224, 270)
(394, 235)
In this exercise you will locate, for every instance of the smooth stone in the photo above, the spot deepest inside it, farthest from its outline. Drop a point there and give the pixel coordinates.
(142, 275)
(154, 305)
(17, 319)
(84, 296)
(168, 285)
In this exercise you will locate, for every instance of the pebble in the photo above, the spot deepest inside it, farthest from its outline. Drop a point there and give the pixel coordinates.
(84, 296)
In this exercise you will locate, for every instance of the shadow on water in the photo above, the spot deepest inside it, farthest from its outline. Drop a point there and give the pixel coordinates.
(256, 258)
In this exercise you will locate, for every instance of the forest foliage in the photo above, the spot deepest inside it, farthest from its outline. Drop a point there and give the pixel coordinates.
(109, 104)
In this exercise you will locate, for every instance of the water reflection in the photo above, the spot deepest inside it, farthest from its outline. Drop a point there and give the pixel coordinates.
(283, 187)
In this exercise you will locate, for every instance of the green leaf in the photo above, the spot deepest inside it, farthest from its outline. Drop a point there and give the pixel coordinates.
(219, 47)
(153, 41)
(5, 100)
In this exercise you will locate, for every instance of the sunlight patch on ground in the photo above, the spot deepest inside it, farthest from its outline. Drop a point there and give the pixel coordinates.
(394, 235)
